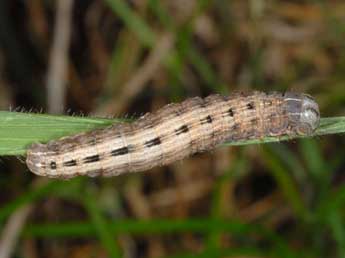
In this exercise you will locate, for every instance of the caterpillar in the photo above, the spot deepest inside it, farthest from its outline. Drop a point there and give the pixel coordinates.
(174, 132)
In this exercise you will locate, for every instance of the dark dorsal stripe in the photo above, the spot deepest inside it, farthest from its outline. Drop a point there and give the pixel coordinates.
(181, 130)
(91, 159)
(120, 151)
(153, 142)
(70, 163)
(206, 120)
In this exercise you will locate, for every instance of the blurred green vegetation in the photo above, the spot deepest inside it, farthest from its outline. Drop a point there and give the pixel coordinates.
(266, 200)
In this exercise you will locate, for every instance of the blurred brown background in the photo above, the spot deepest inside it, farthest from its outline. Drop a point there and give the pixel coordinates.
(117, 58)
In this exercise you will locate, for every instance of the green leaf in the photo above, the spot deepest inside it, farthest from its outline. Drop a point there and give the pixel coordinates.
(101, 226)
(19, 130)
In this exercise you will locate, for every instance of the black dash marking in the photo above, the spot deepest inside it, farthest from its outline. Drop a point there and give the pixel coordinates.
(254, 121)
(53, 165)
(251, 105)
(120, 151)
(91, 159)
(206, 120)
(153, 142)
(70, 163)
(231, 112)
(181, 130)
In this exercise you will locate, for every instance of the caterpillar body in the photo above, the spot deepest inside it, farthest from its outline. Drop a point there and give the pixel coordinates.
(173, 133)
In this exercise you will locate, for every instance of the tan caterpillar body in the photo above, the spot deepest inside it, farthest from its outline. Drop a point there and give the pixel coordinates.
(173, 133)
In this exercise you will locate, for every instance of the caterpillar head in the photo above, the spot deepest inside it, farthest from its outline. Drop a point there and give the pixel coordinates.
(303, 113)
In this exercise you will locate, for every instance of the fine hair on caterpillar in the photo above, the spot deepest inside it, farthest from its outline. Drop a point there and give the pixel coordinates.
(174, 132)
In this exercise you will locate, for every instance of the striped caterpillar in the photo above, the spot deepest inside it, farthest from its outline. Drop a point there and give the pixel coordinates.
(173, 133)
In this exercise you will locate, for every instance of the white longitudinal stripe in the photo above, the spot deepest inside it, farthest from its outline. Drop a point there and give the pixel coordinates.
(175, 132)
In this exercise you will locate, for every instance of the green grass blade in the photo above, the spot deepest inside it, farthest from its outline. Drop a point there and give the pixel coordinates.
(19, 130)
(219, 253)
(336, 223)
(214, 238)
(30, 196)
(144, 227)
(101, 226)
(133, 21)
(146, 35)
(39, 191)
(286, 184)
(161, 227)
